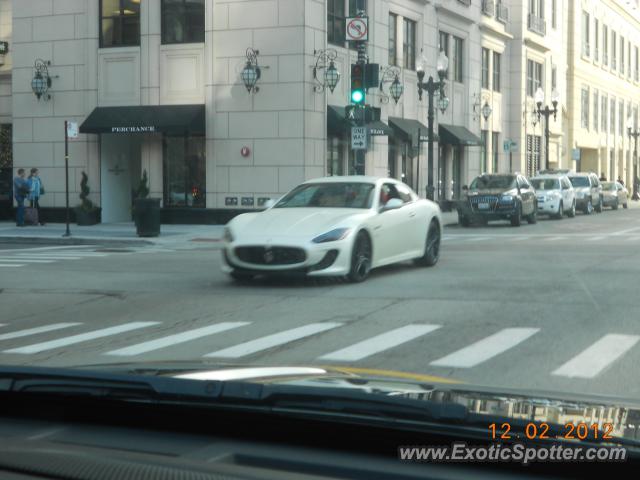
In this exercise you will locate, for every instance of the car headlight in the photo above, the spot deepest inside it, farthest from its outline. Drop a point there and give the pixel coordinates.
(332, 236)
(506, 198)
(227, 236)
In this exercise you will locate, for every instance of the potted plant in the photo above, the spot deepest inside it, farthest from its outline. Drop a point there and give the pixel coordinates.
(86, 212)
(146, 211)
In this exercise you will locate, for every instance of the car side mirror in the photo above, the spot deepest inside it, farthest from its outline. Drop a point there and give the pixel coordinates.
(392, 204)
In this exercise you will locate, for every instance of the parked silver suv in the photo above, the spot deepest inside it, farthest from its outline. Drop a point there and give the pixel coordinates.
(588, 191)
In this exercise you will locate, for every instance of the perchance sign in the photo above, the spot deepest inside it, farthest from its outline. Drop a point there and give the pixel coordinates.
(358, 138)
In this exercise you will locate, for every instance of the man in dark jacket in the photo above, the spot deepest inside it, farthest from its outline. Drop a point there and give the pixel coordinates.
(20, 192)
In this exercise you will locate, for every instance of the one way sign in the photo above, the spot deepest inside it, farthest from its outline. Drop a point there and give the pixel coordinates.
(358, 138)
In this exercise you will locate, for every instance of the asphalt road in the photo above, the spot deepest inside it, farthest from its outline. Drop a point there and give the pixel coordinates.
(550, 306)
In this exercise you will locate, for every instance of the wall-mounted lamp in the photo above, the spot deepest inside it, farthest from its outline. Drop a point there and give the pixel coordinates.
(251, 72)
(481, 109)
(325, 72)
(391, 75)
(41, 81)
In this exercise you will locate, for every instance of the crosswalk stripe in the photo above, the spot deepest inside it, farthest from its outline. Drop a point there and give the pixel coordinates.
(62, 254)
(520, 239)
(175, 339)
(380, 343)
(36, 330)
(591, 361)
(25, 260)
(50, 257)
(274, 340)
(82, 337)
(486, 348)
(4, 265)
(477, 239)
(595, 239)
(554, 239)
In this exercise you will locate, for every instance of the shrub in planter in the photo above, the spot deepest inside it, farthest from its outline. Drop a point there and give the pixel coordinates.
(146, 211)
(86, 212)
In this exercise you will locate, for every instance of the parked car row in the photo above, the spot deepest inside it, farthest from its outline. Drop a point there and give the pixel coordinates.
(555, 193)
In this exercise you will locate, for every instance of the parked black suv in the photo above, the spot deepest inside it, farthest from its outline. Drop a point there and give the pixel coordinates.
(498, 197)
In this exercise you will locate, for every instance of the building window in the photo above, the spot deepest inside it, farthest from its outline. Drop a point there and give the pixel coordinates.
(484, 136)
(184, 172)
(393, 32)
(443, 44)
(409, 44)
(584, 109)
(119, 23)
(636, 72)
(604, 113)
(622, 57)
(554, 77)
(497, 59)
(536, 8)
(182, 21)
(629, 59)
(458, 59)
(485, 67)
(334, 159)
(612, 115)
(554, 14)
(585, 34)
(534, 77)
(613, 50)
(596, 40)
(495, 146)
(605, 45)
(621, 117)
(533, 154)
(335, 22)
(6, 150)
(596, 105)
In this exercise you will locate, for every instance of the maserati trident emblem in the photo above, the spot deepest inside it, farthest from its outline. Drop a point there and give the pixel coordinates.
(269, 256)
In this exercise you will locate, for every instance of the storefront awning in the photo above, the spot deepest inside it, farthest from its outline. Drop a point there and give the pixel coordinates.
(458, 135)
(175, 119)
(337, 124)
(408, 129)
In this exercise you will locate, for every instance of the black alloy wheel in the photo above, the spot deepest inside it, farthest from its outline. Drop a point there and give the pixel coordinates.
(432, 246)
(360, 259)
(516, 218)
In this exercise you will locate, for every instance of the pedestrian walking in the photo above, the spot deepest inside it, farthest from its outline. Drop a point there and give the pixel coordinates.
(20, 193)
(36, 189)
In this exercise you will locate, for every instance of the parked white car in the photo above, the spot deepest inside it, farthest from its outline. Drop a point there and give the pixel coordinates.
(555, 194)
(335, 226)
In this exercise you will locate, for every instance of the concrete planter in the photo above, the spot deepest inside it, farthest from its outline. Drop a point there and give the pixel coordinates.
(86, 217)
(146, 214)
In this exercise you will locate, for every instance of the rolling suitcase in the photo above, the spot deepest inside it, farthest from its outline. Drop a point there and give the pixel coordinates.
(30, 216)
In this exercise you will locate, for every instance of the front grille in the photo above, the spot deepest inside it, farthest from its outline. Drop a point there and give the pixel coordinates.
(490, 200)
(271, 255)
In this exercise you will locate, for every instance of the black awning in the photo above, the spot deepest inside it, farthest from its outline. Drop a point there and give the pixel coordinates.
(457, 135)
(378, 128)
(175, 119)
(337, 125)
(407, 129)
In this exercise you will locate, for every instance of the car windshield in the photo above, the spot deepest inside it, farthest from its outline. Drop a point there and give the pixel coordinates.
(493, 181)
(609, 186)
(545, 183)
(579, 181)
(329, 195)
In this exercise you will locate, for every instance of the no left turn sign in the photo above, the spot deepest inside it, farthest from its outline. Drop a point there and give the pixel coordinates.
(357, 29)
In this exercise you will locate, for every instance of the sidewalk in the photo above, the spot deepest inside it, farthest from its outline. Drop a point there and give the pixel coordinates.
(109, 234)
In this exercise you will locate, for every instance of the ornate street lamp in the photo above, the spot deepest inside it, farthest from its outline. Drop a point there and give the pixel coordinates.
(486, 110)
(41, 81)
(331, 76)
(432, 87)
(391, 75)
(546, 112)
(251, 72)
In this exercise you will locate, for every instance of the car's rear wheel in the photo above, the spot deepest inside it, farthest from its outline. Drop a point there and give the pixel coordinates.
(360, 259)
(516, 218)
(560, 211)
(572, 212)
(432, 246)
(588, 209)
(615, 205)
(599, 206)
(533, 218)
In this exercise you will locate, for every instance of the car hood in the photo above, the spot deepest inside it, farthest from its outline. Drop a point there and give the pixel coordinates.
(532, 405)
(297, 222)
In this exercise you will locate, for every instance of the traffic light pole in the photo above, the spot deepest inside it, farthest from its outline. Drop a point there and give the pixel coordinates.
(360, 155)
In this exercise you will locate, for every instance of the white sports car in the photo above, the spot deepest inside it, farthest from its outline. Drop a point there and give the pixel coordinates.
(335, 226)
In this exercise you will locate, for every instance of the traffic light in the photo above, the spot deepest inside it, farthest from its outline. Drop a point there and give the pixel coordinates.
(357, 84)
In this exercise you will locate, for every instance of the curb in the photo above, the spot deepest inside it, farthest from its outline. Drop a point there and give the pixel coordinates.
(71, 241)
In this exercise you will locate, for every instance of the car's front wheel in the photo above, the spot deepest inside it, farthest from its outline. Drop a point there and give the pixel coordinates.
(516, 218)
(599, 206)
(588, 209)
(533, 218)
(432, 246)
(560, 211)
(360, 259)
(572, 212)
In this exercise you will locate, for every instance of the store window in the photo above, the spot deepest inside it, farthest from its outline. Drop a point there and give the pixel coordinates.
(392, 162)
(184, 171)
(182, 21)
(334, 158)
(119, 23)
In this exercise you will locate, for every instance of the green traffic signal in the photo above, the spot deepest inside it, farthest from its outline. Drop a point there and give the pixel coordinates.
(357, 96)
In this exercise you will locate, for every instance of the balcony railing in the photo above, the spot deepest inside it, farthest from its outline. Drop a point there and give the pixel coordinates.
(536, 24)
(502, 13)
(488, 7)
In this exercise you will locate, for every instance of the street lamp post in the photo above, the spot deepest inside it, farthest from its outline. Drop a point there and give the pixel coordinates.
(431, 87)
(634, 133)
(546, 112)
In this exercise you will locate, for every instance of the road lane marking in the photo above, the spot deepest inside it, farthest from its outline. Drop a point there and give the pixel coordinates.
(595, 239)
(175, 339)
(61, 255)
(83, 337)
(274, 340)
(520, 239)
(66, 247)
(49, 257)
(554, 239)
(4, 265)
(380, 343)
(591, 361)
(36, 330)
(25, 260)
(484, 349)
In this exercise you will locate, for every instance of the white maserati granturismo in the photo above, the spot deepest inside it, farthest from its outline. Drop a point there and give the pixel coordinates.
(335, 226)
